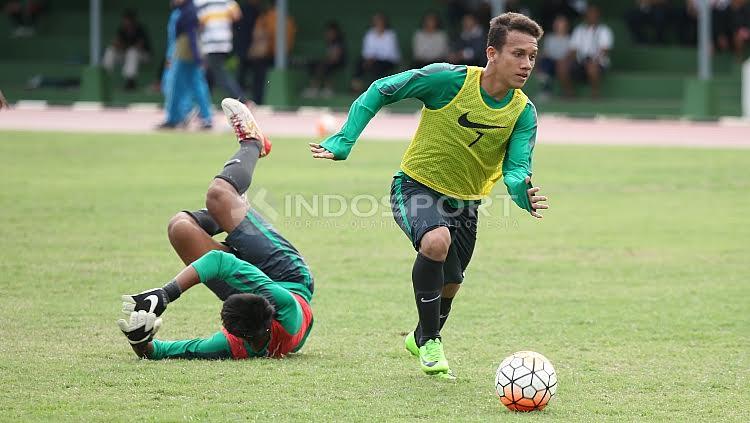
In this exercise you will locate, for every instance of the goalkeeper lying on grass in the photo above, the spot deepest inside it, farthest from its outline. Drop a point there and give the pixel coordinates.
(264, 282)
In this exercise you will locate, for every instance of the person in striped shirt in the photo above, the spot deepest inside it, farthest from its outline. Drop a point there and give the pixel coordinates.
(217, 18)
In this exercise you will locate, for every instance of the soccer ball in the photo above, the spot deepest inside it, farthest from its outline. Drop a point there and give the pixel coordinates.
(525, 381)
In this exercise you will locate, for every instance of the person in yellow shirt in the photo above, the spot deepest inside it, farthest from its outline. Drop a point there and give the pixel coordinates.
(263, 49)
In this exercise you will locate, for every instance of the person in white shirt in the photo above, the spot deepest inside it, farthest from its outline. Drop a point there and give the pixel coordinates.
(554, 50)
(217, 18)
(588, 57)
(430, 43)
(380, 52)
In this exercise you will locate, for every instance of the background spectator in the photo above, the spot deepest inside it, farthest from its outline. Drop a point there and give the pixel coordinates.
(551, 9)
(455, 10)
(23, 16)
(323, 70)
(686, 22)
(380, 52)
(184, 103)
(555, 48)
(483, 13)
(216, 18)
(430, 42)
(470, 49)
(188, 79)
(648, 21)
(734, 32)
(130, 46)
(243, 37)
(589, 53)
(263, 49)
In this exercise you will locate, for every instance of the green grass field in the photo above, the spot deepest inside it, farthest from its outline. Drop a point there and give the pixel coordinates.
(635, 285)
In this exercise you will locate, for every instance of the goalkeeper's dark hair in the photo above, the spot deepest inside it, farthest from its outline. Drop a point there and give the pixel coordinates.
(501, 25)
(247, 315)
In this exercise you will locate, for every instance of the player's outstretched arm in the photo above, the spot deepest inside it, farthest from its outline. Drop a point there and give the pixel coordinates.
(363, 109)
(215, 347)
(517, 164)
(423, 84)
(141, 327)
(156, 300)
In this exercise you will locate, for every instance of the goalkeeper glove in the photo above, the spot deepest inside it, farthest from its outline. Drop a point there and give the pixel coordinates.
(141, 327)
(153, 301)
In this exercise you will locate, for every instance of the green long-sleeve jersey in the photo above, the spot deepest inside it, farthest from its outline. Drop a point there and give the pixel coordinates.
(436, 85)
(291, 323)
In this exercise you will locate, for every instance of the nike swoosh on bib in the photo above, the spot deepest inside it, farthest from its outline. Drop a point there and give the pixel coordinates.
(464, 121)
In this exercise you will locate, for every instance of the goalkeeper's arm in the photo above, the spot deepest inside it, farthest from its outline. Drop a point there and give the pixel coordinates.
(142, 326)
(215, 347)
(214, 264)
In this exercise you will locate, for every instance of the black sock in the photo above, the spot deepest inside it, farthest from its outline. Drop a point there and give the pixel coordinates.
(238, 170)
(427, 279)
(445, 309)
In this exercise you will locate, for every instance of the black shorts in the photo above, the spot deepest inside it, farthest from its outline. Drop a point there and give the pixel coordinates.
(418, 209)
(255, 241)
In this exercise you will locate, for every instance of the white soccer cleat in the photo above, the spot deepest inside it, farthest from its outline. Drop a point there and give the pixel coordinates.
(245, 127)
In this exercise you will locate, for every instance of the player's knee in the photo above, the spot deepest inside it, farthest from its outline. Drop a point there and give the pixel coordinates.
(219, 192)
(180, 224)
(435, 243)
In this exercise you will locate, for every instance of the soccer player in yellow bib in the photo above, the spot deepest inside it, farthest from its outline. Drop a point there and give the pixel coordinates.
(476, 127)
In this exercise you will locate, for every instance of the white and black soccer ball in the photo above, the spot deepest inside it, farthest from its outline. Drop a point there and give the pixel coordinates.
(525, 381)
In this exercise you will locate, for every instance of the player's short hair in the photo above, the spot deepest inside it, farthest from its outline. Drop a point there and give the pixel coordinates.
(247, 315)
(502, 24)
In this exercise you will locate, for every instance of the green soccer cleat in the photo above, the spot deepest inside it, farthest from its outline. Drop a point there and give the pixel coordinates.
(410, 343)
(432, 358)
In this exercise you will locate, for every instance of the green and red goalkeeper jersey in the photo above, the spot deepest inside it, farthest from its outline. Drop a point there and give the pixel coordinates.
(436, 86)
(291, 324)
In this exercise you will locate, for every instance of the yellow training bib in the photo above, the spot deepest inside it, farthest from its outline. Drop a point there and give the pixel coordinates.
(458, 150)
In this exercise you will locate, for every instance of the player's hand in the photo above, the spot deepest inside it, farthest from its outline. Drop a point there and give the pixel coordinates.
(152, 301)
(536, 201)
(319, 152)
(141, 327)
